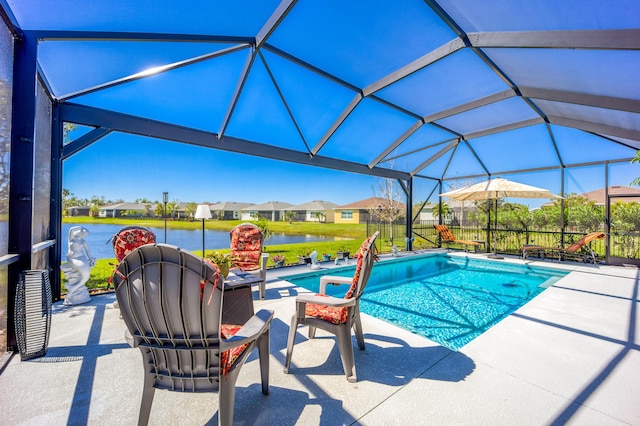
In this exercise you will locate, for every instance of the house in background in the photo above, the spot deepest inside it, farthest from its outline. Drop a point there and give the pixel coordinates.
(314, 211)
(79, 211)
(273, 210)
(228, 210)
(632, 194)
(426, 214)
(127, 209)
(360, 211)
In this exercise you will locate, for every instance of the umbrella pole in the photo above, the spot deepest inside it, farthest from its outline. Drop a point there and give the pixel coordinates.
(494, 255)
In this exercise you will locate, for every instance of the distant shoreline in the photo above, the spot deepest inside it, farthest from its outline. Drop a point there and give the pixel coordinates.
(341, 230)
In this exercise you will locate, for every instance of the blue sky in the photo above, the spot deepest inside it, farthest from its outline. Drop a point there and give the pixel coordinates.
(131, 167)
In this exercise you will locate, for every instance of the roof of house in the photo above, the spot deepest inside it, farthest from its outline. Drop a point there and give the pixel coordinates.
(126, 206)
(369, 203)
(314, 205)
(599, 196)
(229, 206)
(269, 206)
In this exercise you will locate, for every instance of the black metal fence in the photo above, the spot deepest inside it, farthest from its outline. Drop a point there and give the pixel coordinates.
(622, 246)
(391, 234)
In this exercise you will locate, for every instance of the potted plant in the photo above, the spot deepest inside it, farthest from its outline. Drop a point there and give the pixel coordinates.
(326, 257)
(343, 253)
(224, 261)
(278, 260)
(303, 257)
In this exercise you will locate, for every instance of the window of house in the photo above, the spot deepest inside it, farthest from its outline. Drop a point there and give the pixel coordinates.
(346, 214)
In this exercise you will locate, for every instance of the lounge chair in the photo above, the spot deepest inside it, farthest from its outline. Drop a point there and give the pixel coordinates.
(570, 252)
(334, 314)
(447, 237)
(171, 303)
(245, 241)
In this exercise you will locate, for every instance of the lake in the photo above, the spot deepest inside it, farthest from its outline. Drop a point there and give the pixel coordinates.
(101, 247)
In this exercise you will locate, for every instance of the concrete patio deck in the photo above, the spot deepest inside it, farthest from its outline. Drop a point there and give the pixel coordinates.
(570, 356)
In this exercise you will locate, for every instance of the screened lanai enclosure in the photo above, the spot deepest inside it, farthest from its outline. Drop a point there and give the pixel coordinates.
(433, 95)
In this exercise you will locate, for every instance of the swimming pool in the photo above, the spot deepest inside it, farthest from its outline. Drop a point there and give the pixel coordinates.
(450, 300)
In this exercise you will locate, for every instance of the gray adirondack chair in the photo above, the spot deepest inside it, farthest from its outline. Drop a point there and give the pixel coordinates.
(171, 302)
(336, 315)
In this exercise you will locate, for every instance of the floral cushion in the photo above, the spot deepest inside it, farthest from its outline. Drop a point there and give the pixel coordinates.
(333, 314)
(227, 358)
(246, 247)
(130, 238)
(327, 313)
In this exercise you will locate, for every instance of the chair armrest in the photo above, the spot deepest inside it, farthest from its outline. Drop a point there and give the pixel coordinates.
(263, 269)
(336, 302)
(250, 331)
(335, 280)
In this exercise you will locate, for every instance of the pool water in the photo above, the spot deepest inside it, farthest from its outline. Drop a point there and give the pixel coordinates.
(450, 300)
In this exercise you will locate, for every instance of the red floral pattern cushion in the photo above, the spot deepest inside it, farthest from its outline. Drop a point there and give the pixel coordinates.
(129, 239)
(356, 276)
(246, 247)
(227, 358)
(327, 313)
(339, 315)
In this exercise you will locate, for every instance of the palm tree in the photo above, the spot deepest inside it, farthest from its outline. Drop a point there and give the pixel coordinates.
(289, 216)
(441, 208)
(190, 209)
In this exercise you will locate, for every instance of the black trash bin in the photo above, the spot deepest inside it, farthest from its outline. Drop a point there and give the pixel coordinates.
(33, 313)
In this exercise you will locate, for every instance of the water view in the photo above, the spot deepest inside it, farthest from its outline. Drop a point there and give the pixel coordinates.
(101, 247)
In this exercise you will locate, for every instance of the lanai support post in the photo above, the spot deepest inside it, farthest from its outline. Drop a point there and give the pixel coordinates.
(55, 213)
(21, 168)
(409, 216)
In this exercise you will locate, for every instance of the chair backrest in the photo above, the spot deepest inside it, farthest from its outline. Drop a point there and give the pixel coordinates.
(364, 264)
(444, 232)
(245, 241)
(129, 238)
(170, 301)
(585, 240)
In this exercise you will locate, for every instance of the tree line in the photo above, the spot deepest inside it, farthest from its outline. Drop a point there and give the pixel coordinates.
(580, 215)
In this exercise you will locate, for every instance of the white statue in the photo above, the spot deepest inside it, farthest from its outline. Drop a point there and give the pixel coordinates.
(78, 267)
(314, 260)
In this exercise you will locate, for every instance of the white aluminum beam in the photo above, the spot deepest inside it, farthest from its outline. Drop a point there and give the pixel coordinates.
(420, 63)
(497, 97)
(608, 102)
(154, 71)
(343, 116)
(596, 128)
(435, 157)
(624, 39)
(505, 128)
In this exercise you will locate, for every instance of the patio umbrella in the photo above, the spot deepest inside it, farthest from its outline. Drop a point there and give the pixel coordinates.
(494, 189)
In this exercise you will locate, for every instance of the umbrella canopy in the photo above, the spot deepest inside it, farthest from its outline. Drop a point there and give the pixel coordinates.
(498, 188)
(494, 189)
